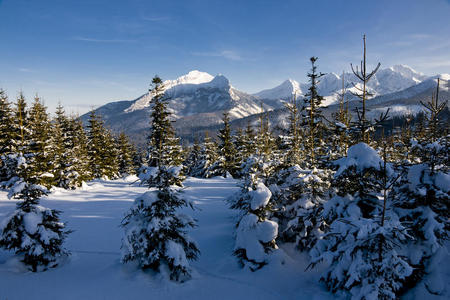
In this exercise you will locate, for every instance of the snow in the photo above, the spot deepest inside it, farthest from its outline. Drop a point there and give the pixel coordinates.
(31, 222)
(361, 156)
(442, 181)
(285, 91)
(259, 197)
(251, 232)
(175, 251)
(94, 270)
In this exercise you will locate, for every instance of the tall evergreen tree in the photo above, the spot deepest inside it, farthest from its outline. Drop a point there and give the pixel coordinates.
(38, 153)
(80, 150)
(126, 155)
(163, 147)
(226, 147)
(7, 138)
(313, 121)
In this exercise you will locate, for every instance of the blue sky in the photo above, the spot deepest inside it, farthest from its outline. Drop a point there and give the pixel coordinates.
(85, 53)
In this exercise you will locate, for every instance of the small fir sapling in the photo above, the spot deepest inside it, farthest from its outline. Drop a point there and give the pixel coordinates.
(255, 234)
(156, 234)
(34, 232)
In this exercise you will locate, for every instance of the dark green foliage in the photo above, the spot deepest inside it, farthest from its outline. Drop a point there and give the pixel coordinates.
(125, 156)
(101, 149)
(226, 148)
(163, 147)
(38, 147)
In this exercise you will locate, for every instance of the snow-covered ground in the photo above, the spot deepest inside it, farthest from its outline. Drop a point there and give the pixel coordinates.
(94, 270)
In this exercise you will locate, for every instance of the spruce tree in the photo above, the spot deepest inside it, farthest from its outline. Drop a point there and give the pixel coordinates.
(226, 148)
(125, 155)
(102, 149)
(163, 147)
(95, 133)
(156, 232)
(7, 138)
(80, 150)
(38, 153)
(34, 232)
(8, 143)
(293, 154)
(62, 151)
(365, 237)
(312, 118)
(21, 126)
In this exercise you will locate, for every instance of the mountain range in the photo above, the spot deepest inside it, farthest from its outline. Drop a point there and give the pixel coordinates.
(198, 100)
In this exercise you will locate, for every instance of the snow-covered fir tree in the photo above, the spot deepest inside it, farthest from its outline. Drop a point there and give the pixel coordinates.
(365, 239)
(34, 232)
(255, 233)
(156, 234)
(422, 196)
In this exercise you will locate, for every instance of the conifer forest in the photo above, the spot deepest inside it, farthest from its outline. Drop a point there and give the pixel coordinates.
(348, 203)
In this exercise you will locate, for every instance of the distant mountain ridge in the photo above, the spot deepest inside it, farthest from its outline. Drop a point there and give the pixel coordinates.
(198, 100)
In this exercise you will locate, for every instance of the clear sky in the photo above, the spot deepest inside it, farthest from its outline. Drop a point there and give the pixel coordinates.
(86, 53)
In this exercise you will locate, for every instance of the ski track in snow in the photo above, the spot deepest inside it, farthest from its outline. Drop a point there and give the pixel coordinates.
(94, 271)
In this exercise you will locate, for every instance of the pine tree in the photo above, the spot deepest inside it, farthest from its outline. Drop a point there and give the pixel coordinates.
(38, 152)
(226, 147)
(21, 127)
(156, 233)
(95, 133)
(8, 143)
(312, 118)
(249, 142)
(101, 149)
(164, 147)
(293, 153)
(126, 155)
(80, 150)
(340, 139)
(7, 138)
(110, 163)
(62, 152)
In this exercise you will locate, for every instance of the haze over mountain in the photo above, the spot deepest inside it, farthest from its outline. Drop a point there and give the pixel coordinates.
(198, 100)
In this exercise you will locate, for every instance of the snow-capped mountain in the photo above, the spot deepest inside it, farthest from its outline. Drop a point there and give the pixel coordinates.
(284, 91)
(385, 81)
(198, 99)
(199, 92)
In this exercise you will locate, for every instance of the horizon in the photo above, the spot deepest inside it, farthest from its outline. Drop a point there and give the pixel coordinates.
(85, 54)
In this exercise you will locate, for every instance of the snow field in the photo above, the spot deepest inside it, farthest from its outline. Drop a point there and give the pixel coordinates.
(94, 271)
